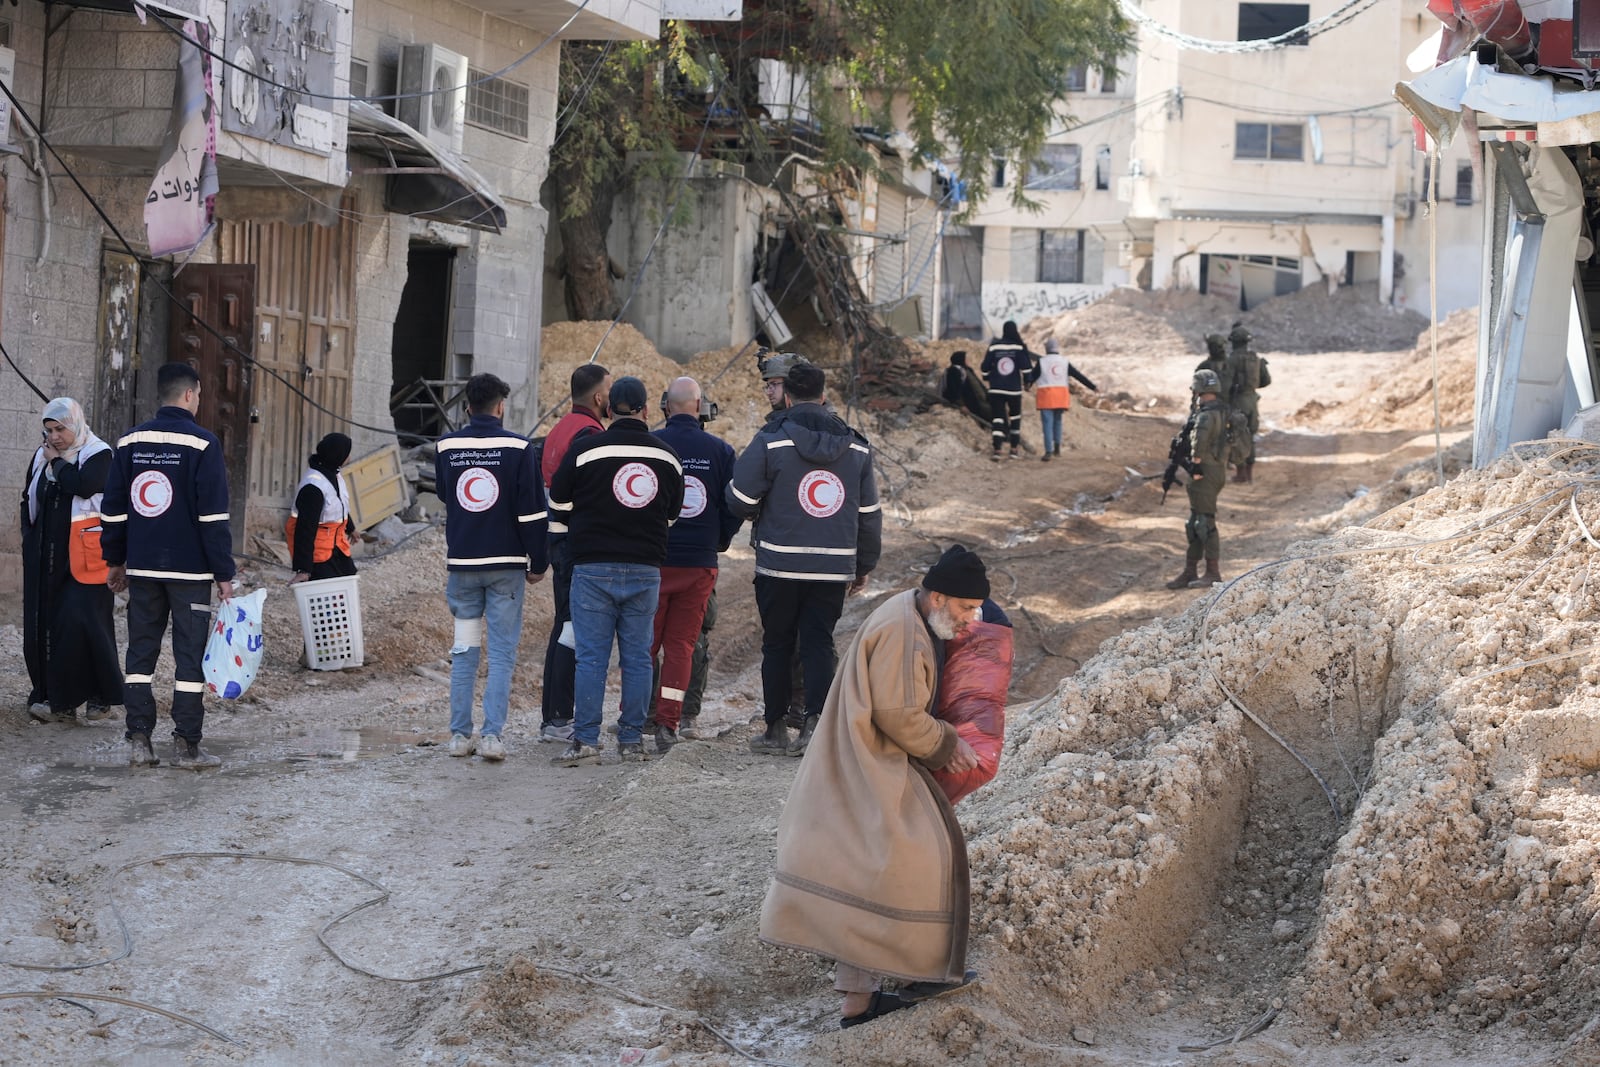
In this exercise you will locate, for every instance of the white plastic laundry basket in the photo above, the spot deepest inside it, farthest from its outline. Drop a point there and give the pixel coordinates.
(330, 618)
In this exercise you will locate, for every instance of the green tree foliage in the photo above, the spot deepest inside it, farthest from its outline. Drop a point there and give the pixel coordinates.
(983, 79)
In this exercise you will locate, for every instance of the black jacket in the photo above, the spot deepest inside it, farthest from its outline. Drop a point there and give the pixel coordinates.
(618, 492)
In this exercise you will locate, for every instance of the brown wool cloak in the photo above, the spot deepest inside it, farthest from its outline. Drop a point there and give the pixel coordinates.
(872, 867)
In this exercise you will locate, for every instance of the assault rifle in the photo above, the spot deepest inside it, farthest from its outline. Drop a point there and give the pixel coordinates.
(1177, 457)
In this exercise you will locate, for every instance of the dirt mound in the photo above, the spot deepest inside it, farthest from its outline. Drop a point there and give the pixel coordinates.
(1434, 670)
(1133, 322)
(564, 345)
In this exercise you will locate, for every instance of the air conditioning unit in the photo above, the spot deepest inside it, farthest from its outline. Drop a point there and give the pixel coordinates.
(442, 76)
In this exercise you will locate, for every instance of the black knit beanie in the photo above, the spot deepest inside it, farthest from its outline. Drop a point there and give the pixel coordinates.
(958, 573)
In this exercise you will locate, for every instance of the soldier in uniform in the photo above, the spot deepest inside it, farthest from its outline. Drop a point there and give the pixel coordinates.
(1216, 361)
(1249, 373)
(1207, 443)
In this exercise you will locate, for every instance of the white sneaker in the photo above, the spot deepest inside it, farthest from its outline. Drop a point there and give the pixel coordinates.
(460, 745)
(491, 747)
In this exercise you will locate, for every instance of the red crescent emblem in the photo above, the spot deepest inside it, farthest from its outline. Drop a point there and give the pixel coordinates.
(466, 489)
(144, 494)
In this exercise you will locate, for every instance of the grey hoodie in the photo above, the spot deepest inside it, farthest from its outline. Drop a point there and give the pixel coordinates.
(806, 479)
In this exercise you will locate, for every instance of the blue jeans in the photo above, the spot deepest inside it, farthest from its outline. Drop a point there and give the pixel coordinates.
(495, 596)
(612, 600)
(1050, 419)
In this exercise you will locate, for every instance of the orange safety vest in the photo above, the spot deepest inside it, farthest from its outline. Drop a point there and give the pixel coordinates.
(83, 537)
(331, 532)
(1052, 390)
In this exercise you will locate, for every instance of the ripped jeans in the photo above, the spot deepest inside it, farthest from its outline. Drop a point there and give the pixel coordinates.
(492, 597)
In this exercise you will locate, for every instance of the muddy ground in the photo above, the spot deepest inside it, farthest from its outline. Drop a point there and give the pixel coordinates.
(608, 914)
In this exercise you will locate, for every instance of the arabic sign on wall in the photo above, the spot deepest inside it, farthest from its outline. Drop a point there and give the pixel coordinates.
(178, 208)
(291, 47)
(1019, 302)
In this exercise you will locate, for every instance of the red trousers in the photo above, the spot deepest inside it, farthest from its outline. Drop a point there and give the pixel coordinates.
(680, 608)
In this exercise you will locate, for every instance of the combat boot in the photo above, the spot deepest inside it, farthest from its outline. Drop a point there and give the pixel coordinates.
(1239, 477)
(1189, 574)
(774, 742)
(1250, 472)
(140, 754)
(1212, 576)
(798, 746)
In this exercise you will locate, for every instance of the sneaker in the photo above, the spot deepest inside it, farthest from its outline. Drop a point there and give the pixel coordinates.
(140, 754)
(773, 742)
(577, 754)
(189, 756)
(41, 712)
(556, 730)
(797, 747)
(492, 748)
(96, 712)
(632, 751)
(666, 737)
(994, 457)
(1015, 454)
(688, 731)
(460, 745)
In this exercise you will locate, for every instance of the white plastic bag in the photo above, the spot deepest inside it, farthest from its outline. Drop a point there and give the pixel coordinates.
(233, 652)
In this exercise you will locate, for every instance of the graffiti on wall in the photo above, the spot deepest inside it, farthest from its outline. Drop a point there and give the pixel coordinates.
(1021, 302)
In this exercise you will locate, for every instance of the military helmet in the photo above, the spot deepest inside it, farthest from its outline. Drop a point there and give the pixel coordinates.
(777, 364)
(1205, 381)
(1240, 335)
(1216, 344)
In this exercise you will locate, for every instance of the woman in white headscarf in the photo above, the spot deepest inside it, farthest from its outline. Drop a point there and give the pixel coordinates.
(68, 640)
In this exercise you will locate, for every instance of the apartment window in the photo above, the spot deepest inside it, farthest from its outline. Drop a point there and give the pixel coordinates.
(1464, 184)
(1077, 78)
(1268, 140)
(999, 174)
(1059, 167)
(1260, 21)
(1102, 167)
(1108, 81)
(1061, 256)
(497, 104)
(358, 78)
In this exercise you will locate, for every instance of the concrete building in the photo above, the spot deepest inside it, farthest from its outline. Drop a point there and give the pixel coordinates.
(1258, 173)
(1072, 245)
(357, 248)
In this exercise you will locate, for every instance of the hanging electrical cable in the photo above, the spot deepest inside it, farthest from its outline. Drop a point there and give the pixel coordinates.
(1333, 19)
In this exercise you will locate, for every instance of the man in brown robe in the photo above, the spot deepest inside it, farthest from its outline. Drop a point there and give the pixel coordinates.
(872, 867)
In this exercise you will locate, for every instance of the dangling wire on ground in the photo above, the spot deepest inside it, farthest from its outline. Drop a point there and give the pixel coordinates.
(382, 896)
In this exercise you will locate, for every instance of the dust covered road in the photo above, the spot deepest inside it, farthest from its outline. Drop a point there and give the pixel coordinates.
(608, 914)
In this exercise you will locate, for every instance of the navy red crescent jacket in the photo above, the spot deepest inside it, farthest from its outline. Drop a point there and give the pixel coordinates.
(494, 509)
(165, 510)
(706, 524)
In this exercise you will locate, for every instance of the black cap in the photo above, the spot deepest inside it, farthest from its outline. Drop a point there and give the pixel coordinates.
(627, 396)
(958, 573)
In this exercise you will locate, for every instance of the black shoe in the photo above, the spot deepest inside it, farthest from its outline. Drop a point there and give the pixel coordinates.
(666, 737)
(919, 991)
(140, 754)
(189, 756)
(773, 742)
(797, 747)
(882, 1004)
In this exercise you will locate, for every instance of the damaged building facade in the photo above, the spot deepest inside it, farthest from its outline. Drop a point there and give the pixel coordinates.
(357, 247)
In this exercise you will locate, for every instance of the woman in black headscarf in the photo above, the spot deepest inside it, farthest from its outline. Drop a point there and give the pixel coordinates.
(321, 543)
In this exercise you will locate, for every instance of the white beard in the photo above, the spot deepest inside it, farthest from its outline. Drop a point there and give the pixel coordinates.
(942, 625)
